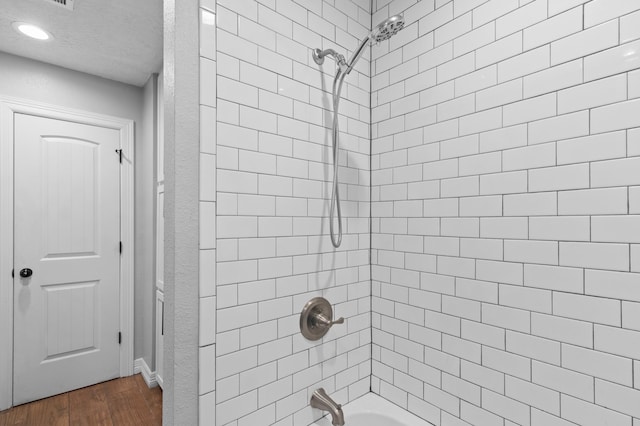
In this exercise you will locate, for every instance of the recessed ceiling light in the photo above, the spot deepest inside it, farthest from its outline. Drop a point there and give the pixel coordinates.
(31, 30)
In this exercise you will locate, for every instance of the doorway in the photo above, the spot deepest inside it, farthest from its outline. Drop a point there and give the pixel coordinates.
(68, 312)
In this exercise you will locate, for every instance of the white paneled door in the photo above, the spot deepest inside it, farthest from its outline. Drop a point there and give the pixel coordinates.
(66, 258)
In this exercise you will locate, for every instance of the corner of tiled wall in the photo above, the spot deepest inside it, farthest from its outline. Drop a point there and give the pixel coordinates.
(506, 226)
(207, 308)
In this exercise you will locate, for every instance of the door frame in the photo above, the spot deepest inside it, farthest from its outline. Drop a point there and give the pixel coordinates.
(8, 108)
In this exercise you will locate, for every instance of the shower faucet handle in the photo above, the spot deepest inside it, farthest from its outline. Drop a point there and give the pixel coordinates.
(325, 322)
(316, 318)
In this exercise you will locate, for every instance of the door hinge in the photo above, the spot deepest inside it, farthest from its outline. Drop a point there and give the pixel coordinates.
(120, 247)
(119, 152)
(119, 337)
(12, 273)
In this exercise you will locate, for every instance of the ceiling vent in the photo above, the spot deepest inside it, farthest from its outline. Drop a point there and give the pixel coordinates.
(67, 4)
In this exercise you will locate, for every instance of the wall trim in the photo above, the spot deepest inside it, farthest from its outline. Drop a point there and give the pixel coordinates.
(140, 366)
(159, 381)
(181, 88)
(10, 106)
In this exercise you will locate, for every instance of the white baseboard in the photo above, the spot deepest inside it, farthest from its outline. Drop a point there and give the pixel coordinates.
(140, 366)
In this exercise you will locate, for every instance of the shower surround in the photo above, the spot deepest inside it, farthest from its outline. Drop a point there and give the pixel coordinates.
(505, 211)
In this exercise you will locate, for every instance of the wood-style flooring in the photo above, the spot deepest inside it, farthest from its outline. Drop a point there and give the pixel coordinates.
(120, 402)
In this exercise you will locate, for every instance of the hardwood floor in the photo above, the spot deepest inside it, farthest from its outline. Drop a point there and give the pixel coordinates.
(119, 402)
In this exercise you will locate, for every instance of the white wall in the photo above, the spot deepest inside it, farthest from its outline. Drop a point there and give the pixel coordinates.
(37, 81)
(181, 148)
(271, 197)
(29, 79)
(506, 212)
(145, 226)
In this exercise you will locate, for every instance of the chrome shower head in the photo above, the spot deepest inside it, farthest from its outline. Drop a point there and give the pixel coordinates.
(388, 28)
(385, 30)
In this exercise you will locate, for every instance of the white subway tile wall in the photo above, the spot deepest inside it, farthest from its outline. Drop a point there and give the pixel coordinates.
(269, 188)
(505, 201)
(207, 214)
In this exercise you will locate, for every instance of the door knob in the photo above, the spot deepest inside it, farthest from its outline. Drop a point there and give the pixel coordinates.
(26, 272)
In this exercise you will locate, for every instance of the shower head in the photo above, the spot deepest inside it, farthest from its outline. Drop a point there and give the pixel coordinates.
(385, 30)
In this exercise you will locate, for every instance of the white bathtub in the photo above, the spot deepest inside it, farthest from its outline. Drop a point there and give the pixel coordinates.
(372, 410)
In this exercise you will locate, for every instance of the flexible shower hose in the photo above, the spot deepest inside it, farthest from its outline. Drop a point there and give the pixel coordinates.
(335, 195)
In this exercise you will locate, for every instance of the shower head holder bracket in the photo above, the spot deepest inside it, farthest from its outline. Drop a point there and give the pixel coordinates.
(318, 57)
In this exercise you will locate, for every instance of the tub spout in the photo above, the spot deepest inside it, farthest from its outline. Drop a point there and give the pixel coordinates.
(321, 400)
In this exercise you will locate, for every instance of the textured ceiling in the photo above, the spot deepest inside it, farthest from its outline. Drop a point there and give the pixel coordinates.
(116, 39)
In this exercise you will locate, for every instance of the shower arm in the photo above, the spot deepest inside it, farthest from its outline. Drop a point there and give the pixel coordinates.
(318, 57)
(358, 53)
(345, 67)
